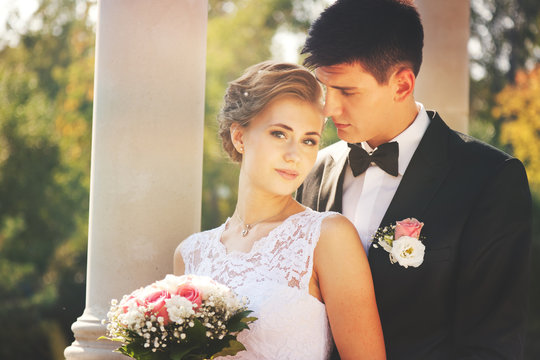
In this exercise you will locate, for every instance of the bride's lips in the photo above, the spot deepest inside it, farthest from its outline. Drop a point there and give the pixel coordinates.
(287, 174)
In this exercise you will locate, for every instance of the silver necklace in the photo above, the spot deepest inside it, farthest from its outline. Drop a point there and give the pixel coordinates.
(247, 227)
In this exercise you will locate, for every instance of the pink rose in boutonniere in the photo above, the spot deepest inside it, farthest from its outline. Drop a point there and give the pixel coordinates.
(408, 227)
(402, 242)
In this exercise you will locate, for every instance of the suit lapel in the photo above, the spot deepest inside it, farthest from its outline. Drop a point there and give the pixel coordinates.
(331, 190)
(425, 173)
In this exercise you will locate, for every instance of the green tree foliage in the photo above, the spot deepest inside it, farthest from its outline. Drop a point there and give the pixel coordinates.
(518, 105)
(45, 121)
(505, 37)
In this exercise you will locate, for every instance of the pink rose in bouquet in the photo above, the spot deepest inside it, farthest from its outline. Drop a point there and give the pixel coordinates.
(156, 302)
(191, 293)
(408, 227)
(132, 299)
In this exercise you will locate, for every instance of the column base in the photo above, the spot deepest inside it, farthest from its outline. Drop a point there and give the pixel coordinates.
(87, 329)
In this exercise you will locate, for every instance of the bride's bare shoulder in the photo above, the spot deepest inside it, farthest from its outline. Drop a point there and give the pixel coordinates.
(336, 226)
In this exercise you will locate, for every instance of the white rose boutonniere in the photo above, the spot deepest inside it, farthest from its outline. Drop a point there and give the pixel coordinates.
(402, 242)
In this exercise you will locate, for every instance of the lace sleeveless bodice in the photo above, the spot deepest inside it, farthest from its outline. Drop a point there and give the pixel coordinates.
(275, 277)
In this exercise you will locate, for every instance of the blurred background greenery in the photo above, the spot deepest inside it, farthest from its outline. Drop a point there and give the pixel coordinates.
(46, 84)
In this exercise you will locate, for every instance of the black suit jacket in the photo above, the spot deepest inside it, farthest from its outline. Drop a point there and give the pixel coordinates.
(468, 298)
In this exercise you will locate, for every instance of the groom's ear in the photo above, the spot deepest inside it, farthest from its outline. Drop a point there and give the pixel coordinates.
(237, 136)
(403, 81)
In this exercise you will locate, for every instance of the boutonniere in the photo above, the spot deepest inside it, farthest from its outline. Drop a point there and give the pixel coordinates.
(402, 241)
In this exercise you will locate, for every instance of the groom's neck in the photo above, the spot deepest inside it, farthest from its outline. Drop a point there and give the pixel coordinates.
(403, 115)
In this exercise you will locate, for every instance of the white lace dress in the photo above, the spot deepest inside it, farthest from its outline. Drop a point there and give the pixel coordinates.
(275, 277)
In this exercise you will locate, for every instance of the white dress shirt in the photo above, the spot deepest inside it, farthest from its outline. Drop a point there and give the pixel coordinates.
(367, 196)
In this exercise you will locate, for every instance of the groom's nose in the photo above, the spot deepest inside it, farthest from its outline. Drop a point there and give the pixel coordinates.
(332, 107)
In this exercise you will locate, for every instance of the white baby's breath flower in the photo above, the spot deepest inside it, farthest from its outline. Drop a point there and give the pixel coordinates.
(385, 245)
(179, 308)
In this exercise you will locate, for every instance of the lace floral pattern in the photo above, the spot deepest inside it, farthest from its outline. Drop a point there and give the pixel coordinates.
(275, 277)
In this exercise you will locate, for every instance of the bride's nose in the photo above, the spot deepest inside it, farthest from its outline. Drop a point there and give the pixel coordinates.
(292, 152)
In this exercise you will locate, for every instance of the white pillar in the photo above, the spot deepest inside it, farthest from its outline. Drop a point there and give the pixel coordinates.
(443, 82)
(146, 175)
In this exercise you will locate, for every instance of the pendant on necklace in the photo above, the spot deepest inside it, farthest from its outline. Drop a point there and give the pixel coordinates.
(246, 229)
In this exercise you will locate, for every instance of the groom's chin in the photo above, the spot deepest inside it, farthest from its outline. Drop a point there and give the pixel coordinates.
(346, 136)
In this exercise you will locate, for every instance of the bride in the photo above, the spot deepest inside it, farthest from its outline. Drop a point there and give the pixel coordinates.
(305, 273)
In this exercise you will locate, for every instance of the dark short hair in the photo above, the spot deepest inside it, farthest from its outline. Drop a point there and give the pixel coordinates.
(380, 35)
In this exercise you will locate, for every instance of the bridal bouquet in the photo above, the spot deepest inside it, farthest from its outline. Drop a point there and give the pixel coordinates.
(180, 317)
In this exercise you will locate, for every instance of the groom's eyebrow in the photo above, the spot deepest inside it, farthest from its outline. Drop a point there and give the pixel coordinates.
(337, 87)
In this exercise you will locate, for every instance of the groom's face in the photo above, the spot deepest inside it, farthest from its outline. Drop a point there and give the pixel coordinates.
(359, 106)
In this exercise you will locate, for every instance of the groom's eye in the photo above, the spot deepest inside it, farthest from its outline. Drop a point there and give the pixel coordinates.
(345, 93)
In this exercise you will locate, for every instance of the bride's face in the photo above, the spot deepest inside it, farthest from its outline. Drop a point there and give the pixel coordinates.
(280, 145)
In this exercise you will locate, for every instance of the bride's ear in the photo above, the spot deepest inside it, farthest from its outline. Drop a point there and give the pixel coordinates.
(237, 137)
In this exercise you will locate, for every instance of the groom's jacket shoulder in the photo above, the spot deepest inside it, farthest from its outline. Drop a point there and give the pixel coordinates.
(330, 155)
(469, 153)
(327, 157)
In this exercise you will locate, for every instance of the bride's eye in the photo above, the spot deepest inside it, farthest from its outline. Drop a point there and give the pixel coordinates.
(310, 142)
(278, 134)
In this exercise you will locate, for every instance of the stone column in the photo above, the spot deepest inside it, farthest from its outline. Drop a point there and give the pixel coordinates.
(443, 82)
(146, 172)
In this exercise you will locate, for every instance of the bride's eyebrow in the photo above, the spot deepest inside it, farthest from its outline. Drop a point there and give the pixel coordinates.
(287, 127)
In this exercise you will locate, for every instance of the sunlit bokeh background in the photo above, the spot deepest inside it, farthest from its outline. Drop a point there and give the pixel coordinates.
(46, 84)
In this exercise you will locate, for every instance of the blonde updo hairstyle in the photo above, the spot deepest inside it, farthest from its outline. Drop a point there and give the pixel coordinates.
(261, 84)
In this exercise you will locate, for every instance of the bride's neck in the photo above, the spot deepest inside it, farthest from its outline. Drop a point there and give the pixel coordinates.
(253, 205)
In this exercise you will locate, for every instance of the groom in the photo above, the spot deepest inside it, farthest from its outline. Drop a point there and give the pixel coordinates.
(467, 298)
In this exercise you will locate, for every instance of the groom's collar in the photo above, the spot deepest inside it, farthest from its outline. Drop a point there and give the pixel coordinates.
(408, 139)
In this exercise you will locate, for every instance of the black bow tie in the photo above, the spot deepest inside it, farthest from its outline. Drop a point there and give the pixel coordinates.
(385, 156)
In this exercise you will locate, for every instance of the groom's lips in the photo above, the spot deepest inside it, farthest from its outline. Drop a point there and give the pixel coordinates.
(287, 174)
(341, 126)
